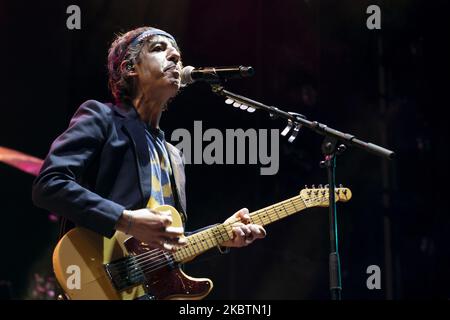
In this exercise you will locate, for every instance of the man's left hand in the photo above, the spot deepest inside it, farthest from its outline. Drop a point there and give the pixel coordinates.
(244, 232)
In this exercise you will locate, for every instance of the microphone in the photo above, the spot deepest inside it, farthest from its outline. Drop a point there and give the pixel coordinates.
(189, 74)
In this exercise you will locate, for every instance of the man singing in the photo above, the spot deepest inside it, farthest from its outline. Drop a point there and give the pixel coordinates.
(112, 165)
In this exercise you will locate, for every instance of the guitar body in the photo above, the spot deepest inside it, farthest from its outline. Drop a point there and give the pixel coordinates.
(89, 266)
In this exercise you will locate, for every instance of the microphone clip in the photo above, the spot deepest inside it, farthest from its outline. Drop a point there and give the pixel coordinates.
(292, 127)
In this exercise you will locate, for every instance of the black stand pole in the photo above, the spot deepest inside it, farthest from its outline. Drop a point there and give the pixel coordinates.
(330, 153)
(334, 261)
(330, 150)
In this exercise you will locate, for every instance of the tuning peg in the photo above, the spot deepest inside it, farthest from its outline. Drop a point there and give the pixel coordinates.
(229, 101)
(313, 186)
(236, 104)
(250, 109)
(320, 186)
(327, 186)
(340, 185)
(306, 186)
(243, 107)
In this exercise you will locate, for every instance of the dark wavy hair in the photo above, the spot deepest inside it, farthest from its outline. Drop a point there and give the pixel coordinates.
(121, 84)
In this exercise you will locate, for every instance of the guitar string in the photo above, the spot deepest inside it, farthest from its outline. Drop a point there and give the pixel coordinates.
(163, 258)
(253, 214)
(163, 262)
(168, 258)
(289, 201)
(154, 257)
(148, 267)
(158, 264)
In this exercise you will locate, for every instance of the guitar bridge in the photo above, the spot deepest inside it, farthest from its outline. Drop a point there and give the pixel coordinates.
(125, 273)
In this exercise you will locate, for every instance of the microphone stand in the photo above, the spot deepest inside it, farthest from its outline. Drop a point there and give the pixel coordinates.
(334, 144)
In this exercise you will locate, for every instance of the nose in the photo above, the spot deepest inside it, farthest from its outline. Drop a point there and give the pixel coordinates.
(173, 55)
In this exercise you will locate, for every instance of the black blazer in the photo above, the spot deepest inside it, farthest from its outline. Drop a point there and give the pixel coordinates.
(100, 166)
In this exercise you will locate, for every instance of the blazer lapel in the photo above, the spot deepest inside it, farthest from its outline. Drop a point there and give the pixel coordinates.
(136, 132)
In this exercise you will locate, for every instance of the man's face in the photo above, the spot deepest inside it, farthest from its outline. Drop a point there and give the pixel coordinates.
(159, 68)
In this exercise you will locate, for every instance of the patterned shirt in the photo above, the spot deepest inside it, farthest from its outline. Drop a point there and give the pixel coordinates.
(161, 189)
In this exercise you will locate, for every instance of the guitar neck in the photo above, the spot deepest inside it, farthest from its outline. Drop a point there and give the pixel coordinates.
(215, 236)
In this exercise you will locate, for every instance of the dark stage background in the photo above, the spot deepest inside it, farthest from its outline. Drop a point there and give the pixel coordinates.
(313, 57)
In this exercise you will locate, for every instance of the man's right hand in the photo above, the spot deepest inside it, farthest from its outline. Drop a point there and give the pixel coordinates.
(152, 227)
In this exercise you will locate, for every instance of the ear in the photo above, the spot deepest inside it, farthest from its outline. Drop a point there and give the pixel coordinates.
(128, 67)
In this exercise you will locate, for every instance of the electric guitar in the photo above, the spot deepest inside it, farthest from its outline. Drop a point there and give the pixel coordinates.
(89, 266)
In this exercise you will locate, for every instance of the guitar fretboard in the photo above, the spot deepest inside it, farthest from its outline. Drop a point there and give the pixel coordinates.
(214, 236)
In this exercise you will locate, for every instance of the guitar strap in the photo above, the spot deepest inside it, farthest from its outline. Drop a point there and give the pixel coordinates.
(174, 188)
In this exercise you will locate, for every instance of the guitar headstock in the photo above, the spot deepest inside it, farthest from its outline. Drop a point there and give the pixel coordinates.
(319, 197)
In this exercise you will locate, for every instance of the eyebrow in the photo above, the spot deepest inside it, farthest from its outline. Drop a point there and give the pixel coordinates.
(154, 43)
(162, 41)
